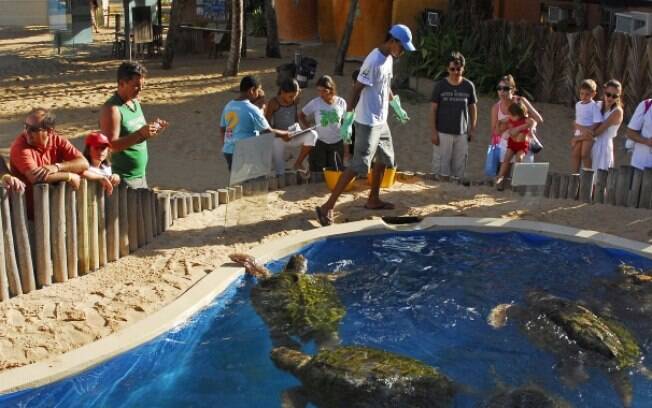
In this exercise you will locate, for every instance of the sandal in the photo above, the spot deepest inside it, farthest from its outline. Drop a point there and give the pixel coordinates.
(324, 219)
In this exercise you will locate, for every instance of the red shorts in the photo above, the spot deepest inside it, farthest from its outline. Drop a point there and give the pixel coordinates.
(516, 147)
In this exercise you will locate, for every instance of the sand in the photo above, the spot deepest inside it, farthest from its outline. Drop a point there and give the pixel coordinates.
(62, 317)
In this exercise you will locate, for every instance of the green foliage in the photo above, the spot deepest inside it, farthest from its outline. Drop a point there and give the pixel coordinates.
(258, 23)
(492, 49)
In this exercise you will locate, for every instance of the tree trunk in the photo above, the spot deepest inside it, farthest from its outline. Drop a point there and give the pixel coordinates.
(173, 32)
(233, 62)
(346, 38)
(127, 12)
(273, 48)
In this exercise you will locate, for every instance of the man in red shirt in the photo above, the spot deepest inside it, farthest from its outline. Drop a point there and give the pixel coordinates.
(40, 155)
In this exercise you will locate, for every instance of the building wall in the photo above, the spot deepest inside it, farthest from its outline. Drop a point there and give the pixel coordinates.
(23, 12)
(518, 10)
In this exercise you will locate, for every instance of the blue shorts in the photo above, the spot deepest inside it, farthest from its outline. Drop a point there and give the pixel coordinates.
(372, 144)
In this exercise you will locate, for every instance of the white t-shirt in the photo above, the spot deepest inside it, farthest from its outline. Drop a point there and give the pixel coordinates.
(641, 122)
(328, 115)
(376, 73)
(586, 113)
(103, 170)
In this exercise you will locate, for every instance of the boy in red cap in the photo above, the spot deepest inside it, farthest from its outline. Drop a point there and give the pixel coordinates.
(97, 154)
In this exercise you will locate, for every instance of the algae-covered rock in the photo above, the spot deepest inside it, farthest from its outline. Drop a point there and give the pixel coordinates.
(524, 397)
(355, 376)
(295, 304)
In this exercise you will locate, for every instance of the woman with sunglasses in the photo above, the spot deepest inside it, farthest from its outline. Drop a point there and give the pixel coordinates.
(611, 116)
(500, 115)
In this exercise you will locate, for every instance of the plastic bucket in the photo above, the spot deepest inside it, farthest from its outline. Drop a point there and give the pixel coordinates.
(331, 178)
(388, 178)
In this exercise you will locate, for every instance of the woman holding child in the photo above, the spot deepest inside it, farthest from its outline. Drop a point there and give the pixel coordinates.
(610, 116)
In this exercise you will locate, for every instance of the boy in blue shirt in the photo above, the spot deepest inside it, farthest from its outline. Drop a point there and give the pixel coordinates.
(242, 119)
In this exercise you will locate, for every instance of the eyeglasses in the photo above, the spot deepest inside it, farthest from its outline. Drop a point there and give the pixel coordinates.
(610, 95)
(504, 88)
(37, 128)
(455, 69)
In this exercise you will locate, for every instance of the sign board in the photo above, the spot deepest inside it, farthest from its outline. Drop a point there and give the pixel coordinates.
(252, 158)
(530, 174)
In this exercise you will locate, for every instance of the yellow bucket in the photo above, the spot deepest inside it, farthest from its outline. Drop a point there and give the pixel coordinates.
(388, 178)
(332, 177)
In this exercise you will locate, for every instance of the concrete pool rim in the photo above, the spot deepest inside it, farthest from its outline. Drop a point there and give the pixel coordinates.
(204, 291)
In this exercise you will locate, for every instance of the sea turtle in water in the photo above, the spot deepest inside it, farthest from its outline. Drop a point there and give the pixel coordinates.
(577, 336)
(362, 377)
(295, 304)
(529, 396)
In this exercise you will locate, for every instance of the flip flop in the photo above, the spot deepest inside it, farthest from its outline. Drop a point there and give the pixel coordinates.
(383, 206)
(324, 219)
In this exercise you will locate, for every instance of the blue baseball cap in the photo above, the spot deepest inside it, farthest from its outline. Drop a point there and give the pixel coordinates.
(403, 34)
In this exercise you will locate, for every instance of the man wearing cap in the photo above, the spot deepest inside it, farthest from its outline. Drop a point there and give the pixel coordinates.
(371, 98)
(123, 122)
(97, 154)
(40, 155)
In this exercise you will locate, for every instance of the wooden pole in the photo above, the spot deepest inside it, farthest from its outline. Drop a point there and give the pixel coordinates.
(646, 189)
(132, 214)
(101, 223)
(42, 248)
(612, 180)
(205, 201)
(72, 235)
(142, 235)
(635, 189)
(113, 225)
(600, 186)
(10, 261)
(58, 217)
(93, 227)
(174, 209)
(223, 196)
(83, 228)
(196, 202)
(165, 211)
(146, 205)
(123, 216)
(586, 185)
(182, 204)
(563, 186)
(190, 207)
(232, 194)
(280, 181)
(4, 277)
(238, 192)
(622, 186)
(546, 190)
(574, 182)
(23, 247)
(554, 189)
(155, 213)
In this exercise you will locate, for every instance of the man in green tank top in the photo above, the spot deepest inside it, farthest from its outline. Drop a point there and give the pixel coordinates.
(123, 122)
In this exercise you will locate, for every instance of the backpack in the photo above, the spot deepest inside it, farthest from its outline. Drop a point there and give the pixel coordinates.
(629, 143)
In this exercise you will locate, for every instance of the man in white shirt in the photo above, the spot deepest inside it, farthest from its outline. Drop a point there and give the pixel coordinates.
(370, 99)
(639, 131)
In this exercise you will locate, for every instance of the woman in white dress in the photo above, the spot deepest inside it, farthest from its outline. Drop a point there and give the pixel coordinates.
(610, 118)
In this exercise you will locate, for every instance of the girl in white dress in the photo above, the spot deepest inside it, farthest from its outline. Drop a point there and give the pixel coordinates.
(610, 116)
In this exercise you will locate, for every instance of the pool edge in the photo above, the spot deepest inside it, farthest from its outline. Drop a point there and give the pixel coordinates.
(202, 293)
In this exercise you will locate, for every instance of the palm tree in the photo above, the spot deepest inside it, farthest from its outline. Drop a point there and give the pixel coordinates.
(233, 62)
(173, 32)
(346, 38)
(273, 48)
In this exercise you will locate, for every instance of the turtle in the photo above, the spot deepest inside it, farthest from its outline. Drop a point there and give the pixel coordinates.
(295, 304)
(362, 377)
(528, 396)
(578, 337)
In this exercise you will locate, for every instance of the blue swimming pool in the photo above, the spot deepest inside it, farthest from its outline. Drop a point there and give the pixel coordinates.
(422, 294)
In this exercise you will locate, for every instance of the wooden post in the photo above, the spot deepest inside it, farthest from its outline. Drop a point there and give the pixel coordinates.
(622, 186)
(4, 277)
(9, 259)
(547, 188)
(146, 206)
(196, 202)
(72, 234)
(563, 186)
(635, 189)
(600, 186)
(223, 196)
(612, 180)
(132, 213)
(190, 208)
(232, 194)
(42, 248)
(646, 190)
(101, 223)
(206, 199)
(93, 227)
(23, 247)
(248, 188)
(238, 192)
(280, 181)
(574, 183)
(173, 209)
(183, 206)
(290, 178)
(153, 204)
(82, 228)
(123, 215)
(113, 226)
(58, 222)
(166, 211)
(554, 189)
(142, 236)
(586, 185)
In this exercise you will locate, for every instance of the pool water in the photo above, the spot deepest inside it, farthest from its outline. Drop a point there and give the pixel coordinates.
(422, 294)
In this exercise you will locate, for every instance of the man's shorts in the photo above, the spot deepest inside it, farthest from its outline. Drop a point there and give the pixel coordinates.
(140, 182)
(372, 143)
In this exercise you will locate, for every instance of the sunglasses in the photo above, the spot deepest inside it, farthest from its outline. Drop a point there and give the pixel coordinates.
(610, 95)
(37, 128)
(504, 88)
(455, 69)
